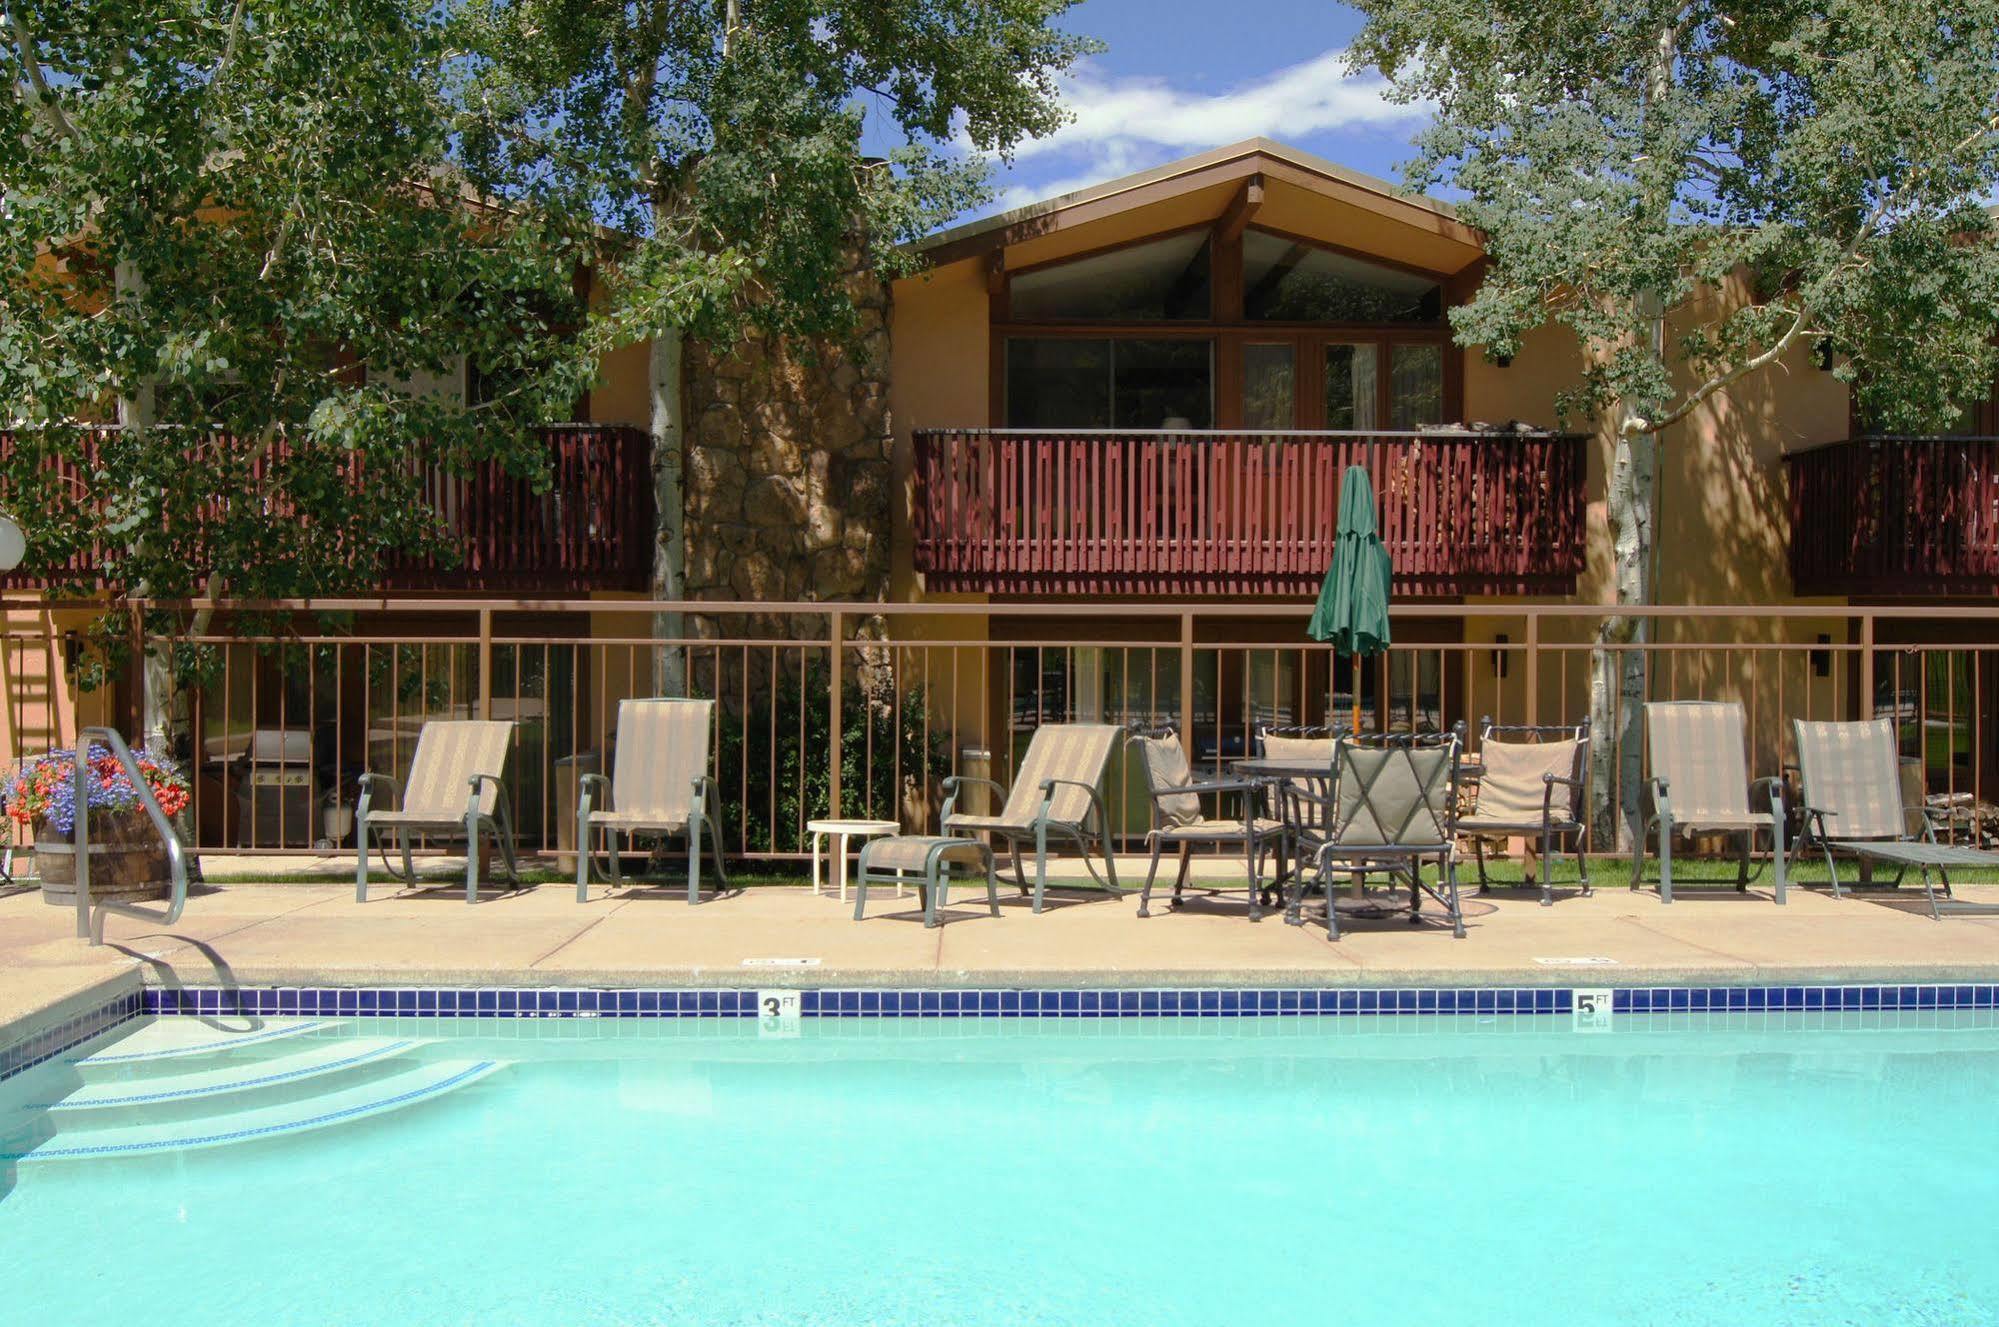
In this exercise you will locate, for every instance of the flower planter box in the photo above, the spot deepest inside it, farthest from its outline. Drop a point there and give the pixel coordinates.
(128, 863)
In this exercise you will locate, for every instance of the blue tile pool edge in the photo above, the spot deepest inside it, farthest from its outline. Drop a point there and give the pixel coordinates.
(27, 1050)
(46, 1043)
(1119, 1002)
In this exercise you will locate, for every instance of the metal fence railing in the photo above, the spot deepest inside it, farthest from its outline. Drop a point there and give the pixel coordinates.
(862, 709)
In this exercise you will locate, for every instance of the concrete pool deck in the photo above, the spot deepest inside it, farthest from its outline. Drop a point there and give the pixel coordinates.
(314, 933)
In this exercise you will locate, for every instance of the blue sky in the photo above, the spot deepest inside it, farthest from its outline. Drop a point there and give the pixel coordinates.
(1184, 75)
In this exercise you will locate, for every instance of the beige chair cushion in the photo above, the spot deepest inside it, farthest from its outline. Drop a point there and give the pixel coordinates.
(1298, 748)
(1697, 747)
(1077, 752)
(1394, 796)
(1165, 762)
(1851, 772)
(1511, 783)
(662, 751)
(911, 852)
(448, 753)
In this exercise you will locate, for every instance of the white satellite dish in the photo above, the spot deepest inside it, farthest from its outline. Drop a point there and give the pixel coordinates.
(13, 544)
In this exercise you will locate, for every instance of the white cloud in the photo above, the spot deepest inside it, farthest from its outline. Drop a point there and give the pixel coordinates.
(1122, 125)
(1307, 98)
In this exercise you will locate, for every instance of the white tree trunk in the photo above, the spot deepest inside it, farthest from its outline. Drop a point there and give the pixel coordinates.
(669, 565)
(159, 701)
(1617, 676)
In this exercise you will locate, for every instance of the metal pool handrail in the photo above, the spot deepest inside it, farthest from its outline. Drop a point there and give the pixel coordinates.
(89, 921)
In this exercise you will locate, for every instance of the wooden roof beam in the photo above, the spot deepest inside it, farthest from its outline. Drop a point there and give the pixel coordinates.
(1236, 216)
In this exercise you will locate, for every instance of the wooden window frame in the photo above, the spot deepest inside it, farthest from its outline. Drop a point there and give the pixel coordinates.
(1229, 332)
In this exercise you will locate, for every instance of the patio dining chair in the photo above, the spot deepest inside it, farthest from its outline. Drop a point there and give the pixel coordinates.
(1179, 820)
(1851, 783)
(1700, 782)
(1529, 781)
(1388, 813)
(659, 788)
(1054, 796)
(454, 788)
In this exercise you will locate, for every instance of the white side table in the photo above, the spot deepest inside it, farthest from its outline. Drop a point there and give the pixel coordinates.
(841, 831)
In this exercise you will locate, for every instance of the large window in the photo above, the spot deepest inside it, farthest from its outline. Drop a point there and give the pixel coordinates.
(1109, 382)
(1286, 280)
(1159, 281)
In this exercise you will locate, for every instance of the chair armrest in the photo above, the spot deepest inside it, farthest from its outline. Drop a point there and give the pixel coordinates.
(366, 786)
(1048, 787)
(594, 781)
(478, 781)
(950, 786)
(1215, 786)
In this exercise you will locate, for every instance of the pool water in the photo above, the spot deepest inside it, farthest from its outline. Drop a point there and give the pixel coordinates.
(1738, 1169)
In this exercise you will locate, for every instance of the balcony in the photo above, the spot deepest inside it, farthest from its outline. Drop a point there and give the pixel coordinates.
(1059, 512)
(591, 530)
(1896, 516)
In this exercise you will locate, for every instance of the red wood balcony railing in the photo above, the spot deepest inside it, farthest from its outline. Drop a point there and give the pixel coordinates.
(1195, 513)
(592, 528)
(1896, 515)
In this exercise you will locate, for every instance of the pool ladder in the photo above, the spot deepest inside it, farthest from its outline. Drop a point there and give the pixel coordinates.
(90, 919)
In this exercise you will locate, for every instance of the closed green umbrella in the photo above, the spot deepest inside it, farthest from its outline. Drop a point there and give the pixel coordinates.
(1352, 613)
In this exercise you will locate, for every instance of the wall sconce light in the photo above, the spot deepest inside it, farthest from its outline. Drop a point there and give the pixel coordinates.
(1499, 655)
(1822, 659)
(1822, 354)
(1503, 361)
(72, 651)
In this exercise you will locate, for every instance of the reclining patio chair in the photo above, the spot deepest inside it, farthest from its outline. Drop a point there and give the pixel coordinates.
(1852, 791)
(1389, 812)
(1700, 782)
(1530, 783)
(659, 788)
(1179, 820)
(1054, 795)
(454, 788)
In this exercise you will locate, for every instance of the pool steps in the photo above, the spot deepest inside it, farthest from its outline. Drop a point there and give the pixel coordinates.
(174, 1085)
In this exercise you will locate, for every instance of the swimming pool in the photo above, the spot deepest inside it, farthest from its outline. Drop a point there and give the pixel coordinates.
(1691, 1168)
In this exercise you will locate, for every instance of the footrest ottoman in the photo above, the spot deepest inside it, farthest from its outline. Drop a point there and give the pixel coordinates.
(928, 861)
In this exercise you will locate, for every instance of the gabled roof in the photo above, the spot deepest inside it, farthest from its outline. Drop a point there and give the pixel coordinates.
(1248, 159)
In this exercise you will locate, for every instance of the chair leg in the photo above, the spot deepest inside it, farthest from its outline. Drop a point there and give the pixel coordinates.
(1110, 861)
(1253, 860)
(992, 884)
(409, 863)
(1450, 882)
(861, 886)
(694, 860)
(1582, 865)
(1665, 860)
(361, 859)
(1145, 891)
(1040, 864)
(1019, 871)
(1777, 866)
(582, 862)
(1547, 867)
(715, 851)
(1478, 851)
(471, 859)
(1180, 879)
(1742, 862)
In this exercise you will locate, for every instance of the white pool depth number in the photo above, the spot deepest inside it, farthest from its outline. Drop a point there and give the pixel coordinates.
(777, 1013)
(1590, 1010)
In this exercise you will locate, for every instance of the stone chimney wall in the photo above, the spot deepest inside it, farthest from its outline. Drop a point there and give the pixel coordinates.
(788, 466)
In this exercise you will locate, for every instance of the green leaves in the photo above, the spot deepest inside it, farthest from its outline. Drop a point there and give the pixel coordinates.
(1627, 157)
(241, 224)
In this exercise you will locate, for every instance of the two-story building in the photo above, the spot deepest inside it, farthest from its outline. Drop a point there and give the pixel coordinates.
(1145, 393)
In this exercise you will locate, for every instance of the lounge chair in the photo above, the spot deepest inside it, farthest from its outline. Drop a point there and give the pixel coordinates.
(1180, 821)
(1054, 795)
(1700, 783)
(1530, 783)
(1388, 813)
(454, 788)
(659, 787)
(1852, 791)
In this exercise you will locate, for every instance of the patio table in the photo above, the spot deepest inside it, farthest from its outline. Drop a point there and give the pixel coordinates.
(1277, 772)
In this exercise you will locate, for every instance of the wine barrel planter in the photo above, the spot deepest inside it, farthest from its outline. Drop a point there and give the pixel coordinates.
(128, 863)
